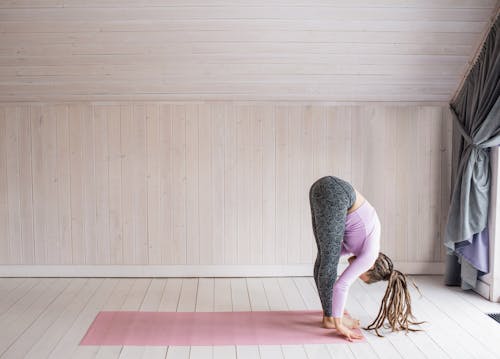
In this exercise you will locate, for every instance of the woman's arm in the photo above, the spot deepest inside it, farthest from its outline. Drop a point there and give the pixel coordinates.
(358, 266)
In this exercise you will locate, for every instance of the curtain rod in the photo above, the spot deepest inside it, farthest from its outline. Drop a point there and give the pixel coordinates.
(472, 62)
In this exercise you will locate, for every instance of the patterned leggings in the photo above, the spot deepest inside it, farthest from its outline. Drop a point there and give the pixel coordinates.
(330, 198)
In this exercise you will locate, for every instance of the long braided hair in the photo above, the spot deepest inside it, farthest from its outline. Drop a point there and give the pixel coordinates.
(396, 304)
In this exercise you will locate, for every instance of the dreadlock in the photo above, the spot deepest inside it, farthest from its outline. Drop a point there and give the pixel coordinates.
(396, 304)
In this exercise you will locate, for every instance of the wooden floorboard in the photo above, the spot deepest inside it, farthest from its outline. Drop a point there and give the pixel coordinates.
(47, 317)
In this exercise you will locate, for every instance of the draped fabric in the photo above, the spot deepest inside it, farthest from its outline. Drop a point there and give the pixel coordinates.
(476, 112)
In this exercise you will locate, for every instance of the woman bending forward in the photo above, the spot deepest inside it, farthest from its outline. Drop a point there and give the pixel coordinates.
(344, 222)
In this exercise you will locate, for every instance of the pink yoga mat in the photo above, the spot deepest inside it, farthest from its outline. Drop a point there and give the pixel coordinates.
(210, 328)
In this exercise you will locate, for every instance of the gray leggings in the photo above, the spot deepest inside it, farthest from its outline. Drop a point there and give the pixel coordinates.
(330, 198)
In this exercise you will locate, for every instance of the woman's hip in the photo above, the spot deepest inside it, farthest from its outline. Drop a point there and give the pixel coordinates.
(332, 190)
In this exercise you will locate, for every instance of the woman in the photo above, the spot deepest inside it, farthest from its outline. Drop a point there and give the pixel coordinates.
(344, 222)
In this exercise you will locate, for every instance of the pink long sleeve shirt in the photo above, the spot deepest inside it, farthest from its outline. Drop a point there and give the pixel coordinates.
(362, 239)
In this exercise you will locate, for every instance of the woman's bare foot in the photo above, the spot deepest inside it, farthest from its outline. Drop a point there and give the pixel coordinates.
(328, 323)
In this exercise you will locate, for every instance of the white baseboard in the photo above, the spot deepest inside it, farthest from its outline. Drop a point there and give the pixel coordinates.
(289, 270)
(487, 291)
(483, 289)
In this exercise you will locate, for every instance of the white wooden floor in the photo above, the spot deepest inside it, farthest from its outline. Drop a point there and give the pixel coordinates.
(47, 317)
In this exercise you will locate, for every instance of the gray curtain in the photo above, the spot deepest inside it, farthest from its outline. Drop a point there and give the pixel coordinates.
(476, 128)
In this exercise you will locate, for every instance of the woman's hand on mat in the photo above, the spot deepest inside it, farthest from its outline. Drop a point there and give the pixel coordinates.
(350, 323)
(346, 332)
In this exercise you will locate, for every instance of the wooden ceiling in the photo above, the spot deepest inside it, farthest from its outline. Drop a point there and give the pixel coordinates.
(297, 50)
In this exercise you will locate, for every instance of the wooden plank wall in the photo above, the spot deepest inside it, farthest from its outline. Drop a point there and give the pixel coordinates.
(212, 183)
